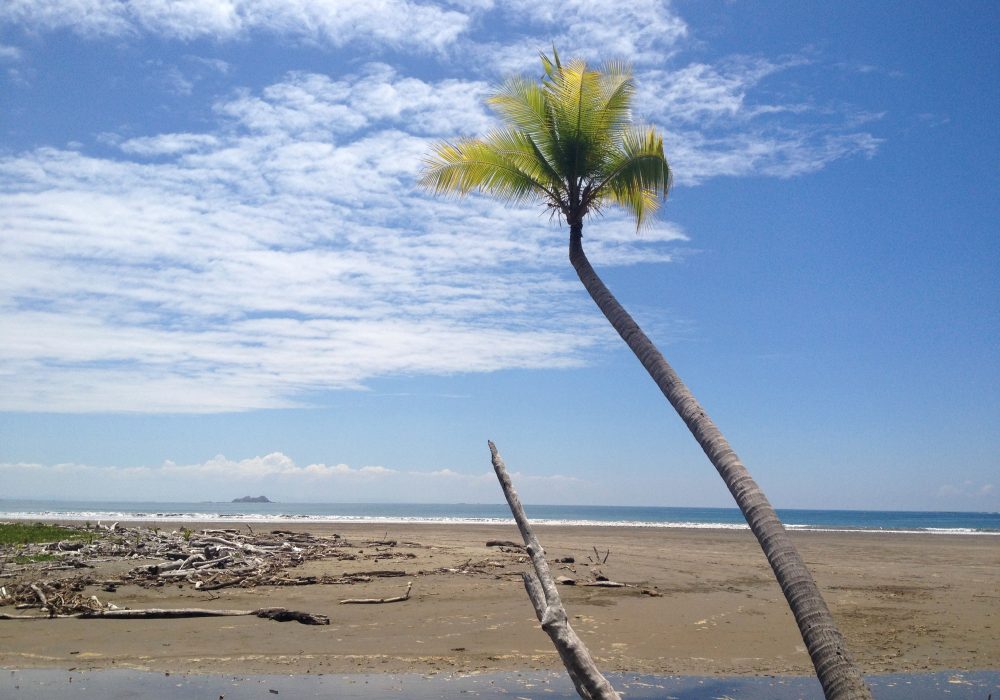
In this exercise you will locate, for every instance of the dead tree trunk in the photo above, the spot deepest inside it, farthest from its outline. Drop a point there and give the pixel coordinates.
(541, 588)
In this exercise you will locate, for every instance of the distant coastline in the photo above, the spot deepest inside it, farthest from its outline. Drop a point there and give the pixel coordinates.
(252, 499)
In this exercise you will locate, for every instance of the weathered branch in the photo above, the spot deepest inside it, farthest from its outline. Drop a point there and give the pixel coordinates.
(589, 682)
(377, 601)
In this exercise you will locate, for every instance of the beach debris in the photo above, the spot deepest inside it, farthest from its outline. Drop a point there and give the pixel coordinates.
(208, 560)
(59, 579)
(377, 601)
(598, 559)
(541, 589)
(566, 580)
(505, 544)
(113, 613)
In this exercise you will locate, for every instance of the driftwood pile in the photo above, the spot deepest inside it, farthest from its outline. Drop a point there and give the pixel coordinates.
(210, 559)
(66, 578)
(206, 560)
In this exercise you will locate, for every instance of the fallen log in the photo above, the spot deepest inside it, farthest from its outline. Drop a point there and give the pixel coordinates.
(277, 614)
(505, 543)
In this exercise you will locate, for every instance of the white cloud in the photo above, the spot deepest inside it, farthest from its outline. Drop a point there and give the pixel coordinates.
(715, 126)
(641, 31)
(275, 464)
(9, 53)
(699, 92)
(967, 492)
(168, 144)
(697, 157)
(315, 106)
(285, 249)
(401, 23)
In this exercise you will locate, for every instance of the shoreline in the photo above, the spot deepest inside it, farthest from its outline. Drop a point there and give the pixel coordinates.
(401, 514)
(913, 603)
(74, 684)
(229, 520)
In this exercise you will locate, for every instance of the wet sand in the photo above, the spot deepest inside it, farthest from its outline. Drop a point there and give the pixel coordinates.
(907, 603)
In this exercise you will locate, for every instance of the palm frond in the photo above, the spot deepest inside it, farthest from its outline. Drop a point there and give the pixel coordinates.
(521, 102)
(638, 178)
(568, 141)
(495, 165)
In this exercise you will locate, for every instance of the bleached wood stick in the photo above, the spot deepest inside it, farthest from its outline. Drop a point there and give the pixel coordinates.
(590, 683)
(377, 601)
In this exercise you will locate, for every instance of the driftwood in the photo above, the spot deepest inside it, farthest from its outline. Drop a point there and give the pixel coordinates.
(378, 601)
(600, 559)
(505, 543)
(278, 614)
(541, 588)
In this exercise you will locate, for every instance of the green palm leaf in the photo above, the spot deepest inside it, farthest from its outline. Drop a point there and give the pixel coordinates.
(567, 140)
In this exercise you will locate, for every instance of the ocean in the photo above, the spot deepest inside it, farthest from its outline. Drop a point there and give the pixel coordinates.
(961, 523)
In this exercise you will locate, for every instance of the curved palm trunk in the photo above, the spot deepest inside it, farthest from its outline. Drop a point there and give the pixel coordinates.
(837, 673)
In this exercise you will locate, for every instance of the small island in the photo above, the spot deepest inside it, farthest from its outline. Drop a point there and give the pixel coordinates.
(252, 499)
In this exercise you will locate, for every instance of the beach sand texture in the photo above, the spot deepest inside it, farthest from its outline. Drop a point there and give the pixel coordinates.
(906, 603)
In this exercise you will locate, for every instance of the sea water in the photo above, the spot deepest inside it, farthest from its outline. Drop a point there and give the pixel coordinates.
(964, 523)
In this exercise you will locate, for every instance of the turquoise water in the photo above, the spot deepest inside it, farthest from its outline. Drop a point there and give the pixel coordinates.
(702, 518)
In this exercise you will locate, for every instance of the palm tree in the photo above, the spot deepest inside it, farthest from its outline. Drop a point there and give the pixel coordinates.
(568, 142)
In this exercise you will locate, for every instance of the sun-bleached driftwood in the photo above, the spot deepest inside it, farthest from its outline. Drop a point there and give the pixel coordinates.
(377, 601)
(278, 614)
(41, 596)
(541, 588)
(380, 573)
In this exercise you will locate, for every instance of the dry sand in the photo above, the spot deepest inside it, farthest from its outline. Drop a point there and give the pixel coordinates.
(907, 603)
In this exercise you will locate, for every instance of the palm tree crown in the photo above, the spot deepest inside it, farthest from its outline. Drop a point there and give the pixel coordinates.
(567, 140)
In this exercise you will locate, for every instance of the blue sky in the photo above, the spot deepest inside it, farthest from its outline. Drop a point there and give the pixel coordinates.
(217, 275)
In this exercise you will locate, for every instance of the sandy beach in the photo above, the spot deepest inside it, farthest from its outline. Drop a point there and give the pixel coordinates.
(907, 603)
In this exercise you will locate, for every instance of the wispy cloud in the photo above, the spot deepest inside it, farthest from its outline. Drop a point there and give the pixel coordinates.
(716, 125)
(9, 53)
(286, 251)
(645, 32)
(968, 492)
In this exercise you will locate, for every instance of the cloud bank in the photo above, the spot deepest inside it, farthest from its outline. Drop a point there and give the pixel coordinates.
(276, 475)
